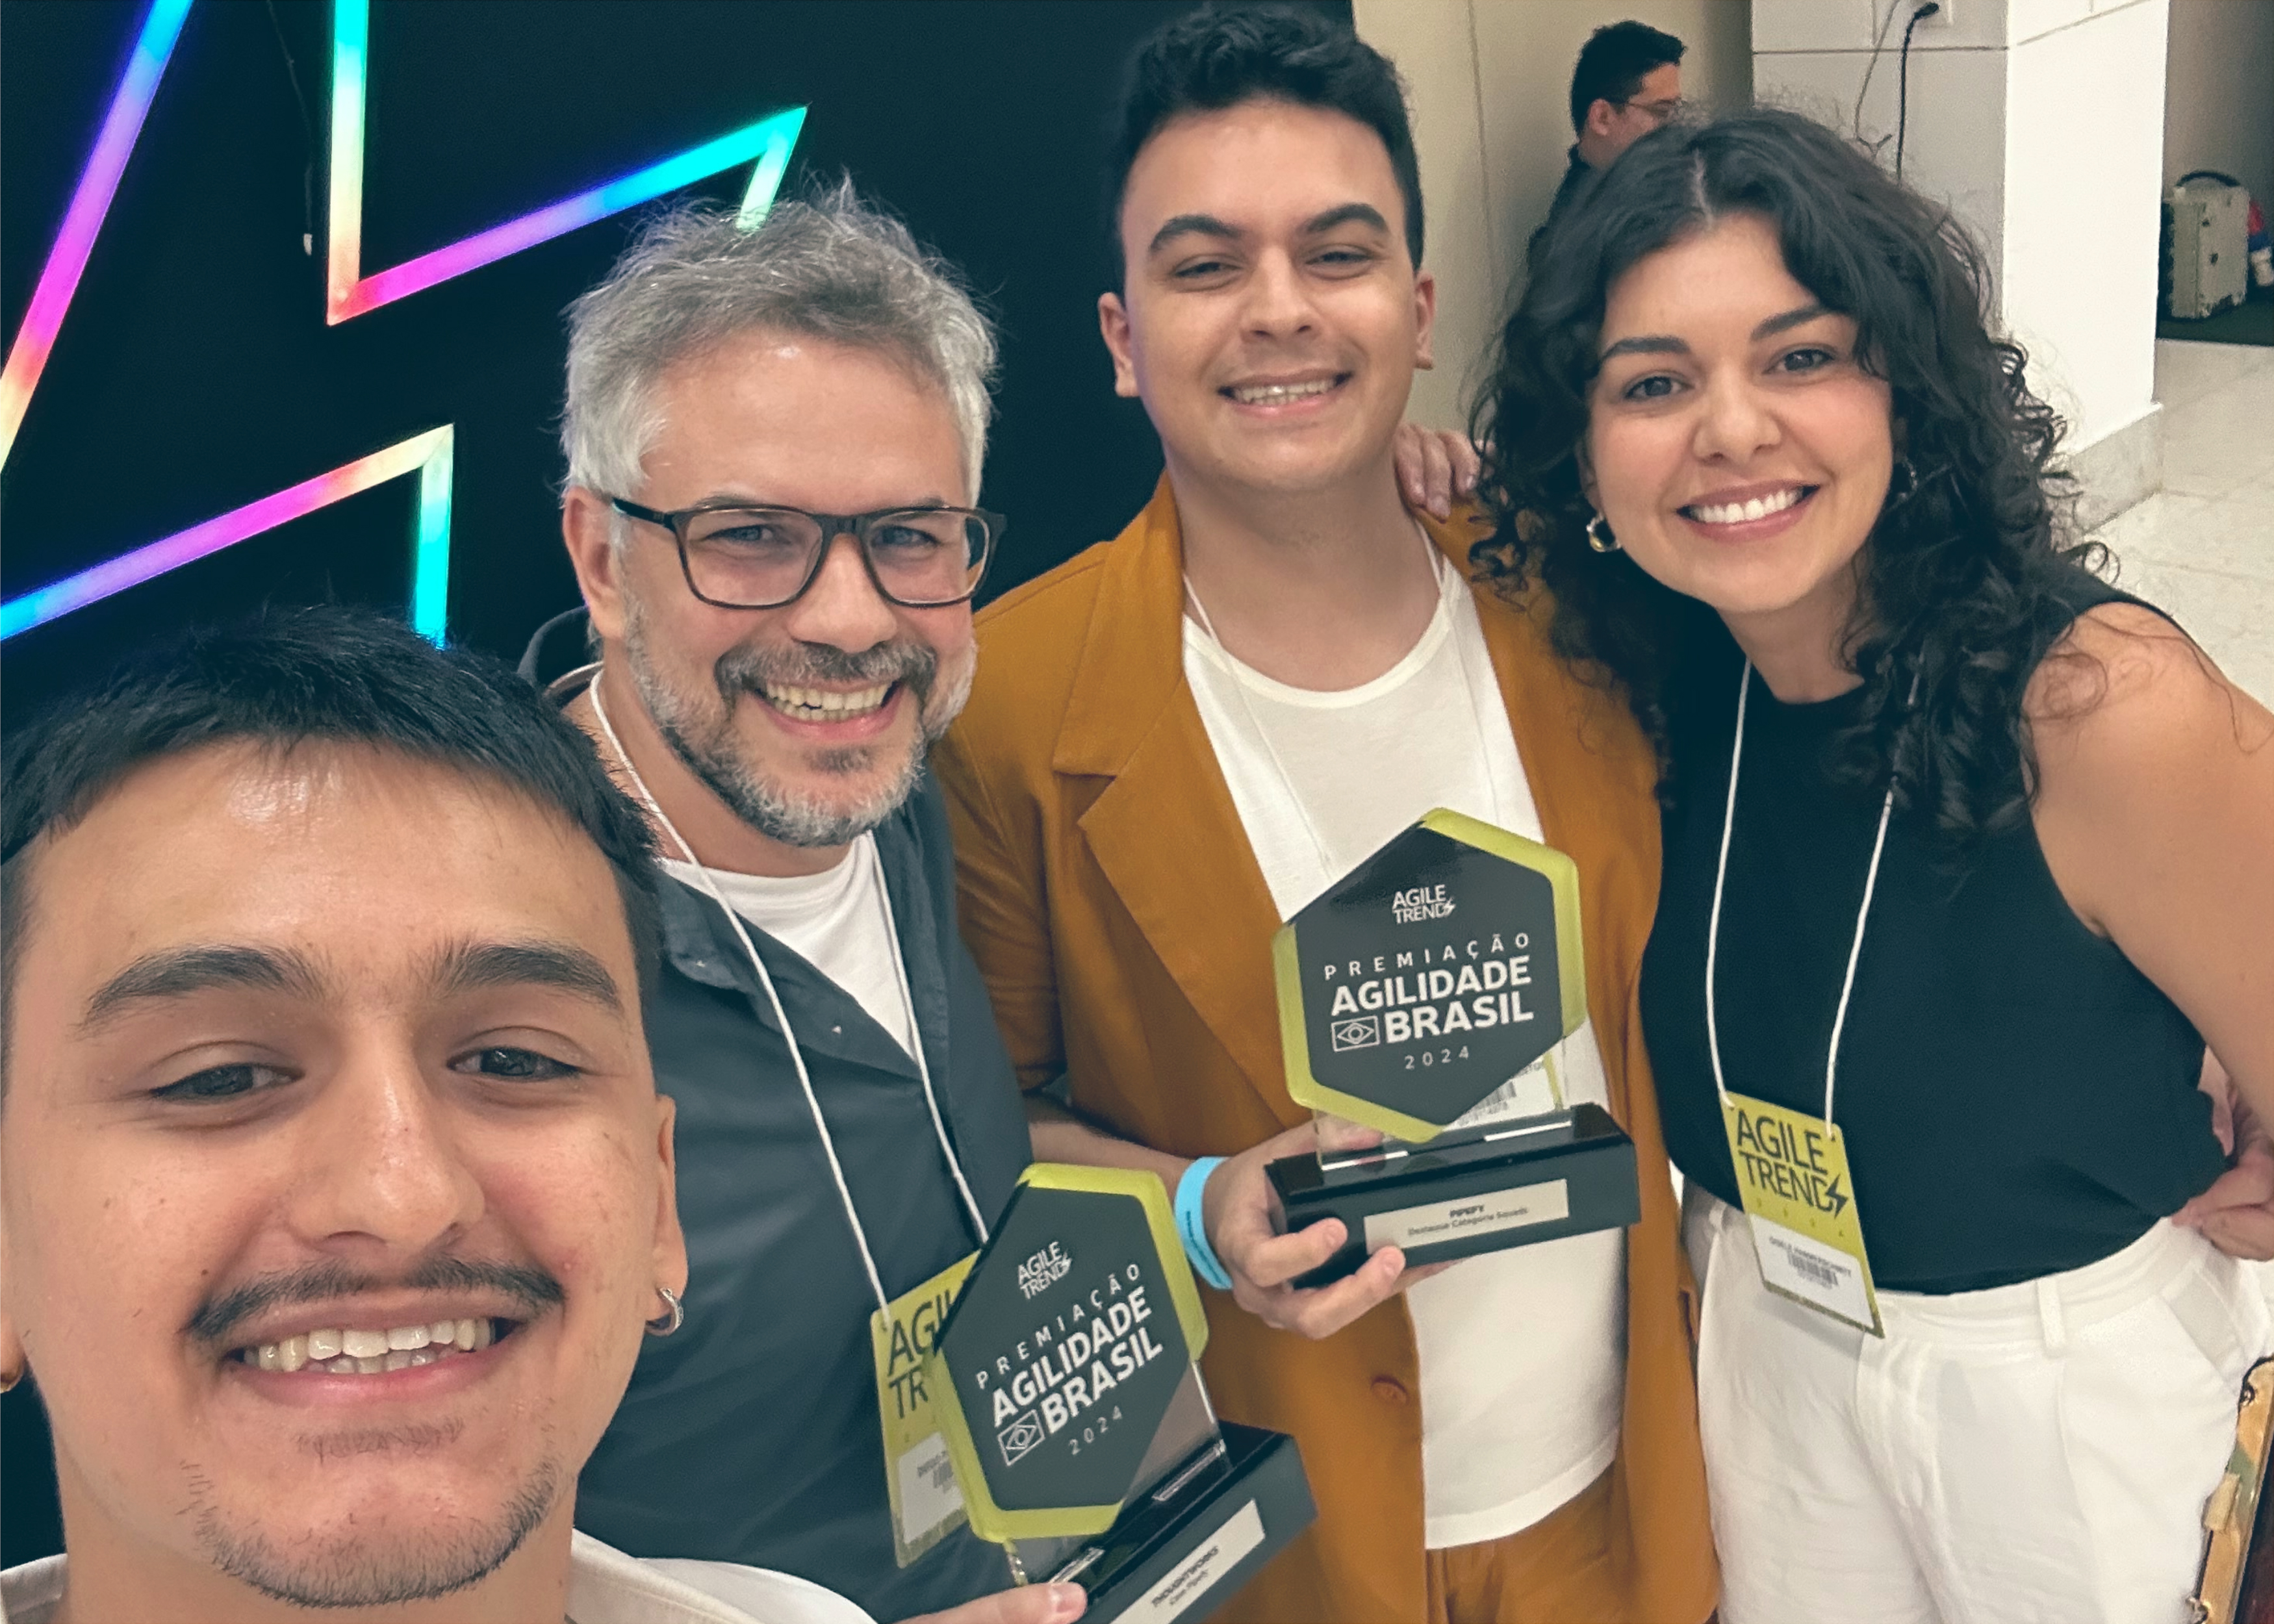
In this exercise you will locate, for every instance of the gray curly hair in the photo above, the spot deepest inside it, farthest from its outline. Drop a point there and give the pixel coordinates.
(832, 267)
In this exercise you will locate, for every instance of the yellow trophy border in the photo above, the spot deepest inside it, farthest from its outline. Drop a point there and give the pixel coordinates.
(988, 1520)
(1563, 876)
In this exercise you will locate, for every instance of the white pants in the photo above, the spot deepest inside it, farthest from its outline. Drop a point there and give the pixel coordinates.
(2037, 1451)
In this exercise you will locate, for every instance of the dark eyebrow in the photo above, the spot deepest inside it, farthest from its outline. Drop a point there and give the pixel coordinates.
(1654, 344)
(179, 972)
(1190, 225)
(1209, 225)
(1362, 213)
(469, 967)
(1661, 344)
(1791, 319)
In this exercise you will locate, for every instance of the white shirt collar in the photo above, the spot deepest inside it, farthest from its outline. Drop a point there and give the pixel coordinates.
(605, 1587)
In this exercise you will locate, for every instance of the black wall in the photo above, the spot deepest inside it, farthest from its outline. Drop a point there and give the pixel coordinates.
(194, 373)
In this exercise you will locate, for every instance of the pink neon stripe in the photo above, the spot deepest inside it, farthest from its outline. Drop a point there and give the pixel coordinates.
(75, 241)
(147, 562)
(469, 253)
(558, 219)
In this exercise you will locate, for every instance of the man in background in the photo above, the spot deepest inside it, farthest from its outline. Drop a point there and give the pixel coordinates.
(1627, 83)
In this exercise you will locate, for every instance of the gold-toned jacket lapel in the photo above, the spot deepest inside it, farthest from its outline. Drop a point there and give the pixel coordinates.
(1165, 831)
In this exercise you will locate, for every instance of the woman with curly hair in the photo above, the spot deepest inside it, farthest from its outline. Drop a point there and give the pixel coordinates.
(1967, 854)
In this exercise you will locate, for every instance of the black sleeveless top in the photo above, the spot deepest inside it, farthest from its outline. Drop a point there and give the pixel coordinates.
(2017, 1099)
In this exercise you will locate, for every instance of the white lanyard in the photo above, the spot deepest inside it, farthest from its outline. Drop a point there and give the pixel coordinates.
(789, 1036)
(1713, 920)
(1328, 872)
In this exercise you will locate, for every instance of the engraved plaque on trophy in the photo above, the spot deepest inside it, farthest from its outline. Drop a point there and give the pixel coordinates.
(1424, 996)
(1081, 1431)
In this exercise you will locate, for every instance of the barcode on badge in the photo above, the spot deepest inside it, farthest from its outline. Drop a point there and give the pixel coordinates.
(1814, 1272)
(1814, 1269)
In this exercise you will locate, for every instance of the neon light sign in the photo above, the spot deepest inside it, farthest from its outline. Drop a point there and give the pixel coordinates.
(348, 294)
(428, 455)
(36, 335)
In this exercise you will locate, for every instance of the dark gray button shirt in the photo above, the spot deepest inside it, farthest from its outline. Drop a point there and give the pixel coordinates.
(1577, 174)
(752, 1435)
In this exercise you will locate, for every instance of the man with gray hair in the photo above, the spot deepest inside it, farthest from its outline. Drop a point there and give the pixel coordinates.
(774, 439)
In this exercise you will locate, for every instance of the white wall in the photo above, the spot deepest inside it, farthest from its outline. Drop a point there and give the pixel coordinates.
(1813, 56)
(2040, 123)
(1490, 81)
(2084, 124)
(2218, 104)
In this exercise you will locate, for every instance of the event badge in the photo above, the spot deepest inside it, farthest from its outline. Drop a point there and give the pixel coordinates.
(927, 1505)
(1792, 1174)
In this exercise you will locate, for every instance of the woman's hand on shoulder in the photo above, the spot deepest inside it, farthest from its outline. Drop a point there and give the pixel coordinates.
(1435, 468)
(2156, 812)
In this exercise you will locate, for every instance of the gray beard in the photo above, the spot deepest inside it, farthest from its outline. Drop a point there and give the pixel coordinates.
(707, 745)
(352, 1575)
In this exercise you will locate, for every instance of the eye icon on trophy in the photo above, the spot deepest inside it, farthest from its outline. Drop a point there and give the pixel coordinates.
(1363, 1032)
(1020, 1436)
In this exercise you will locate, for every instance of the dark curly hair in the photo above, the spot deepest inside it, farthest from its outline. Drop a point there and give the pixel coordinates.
(1966, 580)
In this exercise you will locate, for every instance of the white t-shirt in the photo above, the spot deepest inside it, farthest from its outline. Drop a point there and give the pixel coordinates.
(837, 920)
(605, 1587)
(1523, 1353)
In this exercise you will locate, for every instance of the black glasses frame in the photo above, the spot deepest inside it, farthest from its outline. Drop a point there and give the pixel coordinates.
(860, 526)
(1664, 112)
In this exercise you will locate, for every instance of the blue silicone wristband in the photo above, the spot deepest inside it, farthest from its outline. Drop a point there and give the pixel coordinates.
(1191, 1228)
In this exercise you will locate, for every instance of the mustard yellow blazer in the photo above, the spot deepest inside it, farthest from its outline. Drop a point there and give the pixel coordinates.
(1108, 890)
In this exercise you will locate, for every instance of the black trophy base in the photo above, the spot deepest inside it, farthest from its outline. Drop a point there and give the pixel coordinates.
(1526, 1181)
(1181, 1551)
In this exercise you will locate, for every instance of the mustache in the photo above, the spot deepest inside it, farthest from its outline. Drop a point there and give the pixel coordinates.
(748, 667)
(216, 1317)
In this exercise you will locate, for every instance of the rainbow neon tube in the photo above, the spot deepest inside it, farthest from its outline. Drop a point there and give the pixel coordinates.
(770, 141)
(349, 293)
(428, 455)
(98, 183)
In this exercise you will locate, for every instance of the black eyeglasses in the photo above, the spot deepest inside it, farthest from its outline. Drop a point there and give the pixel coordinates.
(763, 558)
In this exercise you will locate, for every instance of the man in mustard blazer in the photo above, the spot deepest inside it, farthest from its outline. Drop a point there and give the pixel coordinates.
(1183, 735)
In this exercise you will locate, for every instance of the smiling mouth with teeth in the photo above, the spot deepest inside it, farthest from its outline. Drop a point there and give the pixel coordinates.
(370, 1353)
(1739, 513)
(1280, 393)
(818, 704)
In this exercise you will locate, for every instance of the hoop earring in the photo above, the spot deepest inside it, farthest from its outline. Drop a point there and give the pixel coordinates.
(673, 1316)
(1902, 483)
(1599, 537)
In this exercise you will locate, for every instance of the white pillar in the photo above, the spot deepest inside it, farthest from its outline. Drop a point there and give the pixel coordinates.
(2040, 123)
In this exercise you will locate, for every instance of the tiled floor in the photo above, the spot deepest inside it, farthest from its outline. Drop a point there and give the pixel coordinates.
(2203, 548)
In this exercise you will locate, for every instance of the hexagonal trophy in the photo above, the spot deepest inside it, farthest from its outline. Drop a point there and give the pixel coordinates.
(1424, 995)
(1081, 1435)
